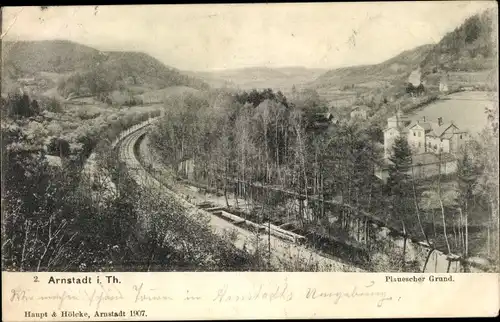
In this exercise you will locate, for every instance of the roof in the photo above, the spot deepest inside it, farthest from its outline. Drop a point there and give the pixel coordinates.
(323, 120)
(430, 128)
(442, 128)
(328, 116)
(323, 116)
(427, 126)
(359, 108)
(433, 129)
(439, 130)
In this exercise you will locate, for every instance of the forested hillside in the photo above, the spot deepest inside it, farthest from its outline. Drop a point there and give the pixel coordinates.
(84, 70)
(470, 47)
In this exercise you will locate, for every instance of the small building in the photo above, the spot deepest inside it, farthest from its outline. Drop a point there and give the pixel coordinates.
(326, 118)
(443, 84)
(323, 120)
(359, 112)
(26, 80)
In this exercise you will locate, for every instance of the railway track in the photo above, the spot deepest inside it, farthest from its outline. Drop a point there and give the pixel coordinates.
(284, 253)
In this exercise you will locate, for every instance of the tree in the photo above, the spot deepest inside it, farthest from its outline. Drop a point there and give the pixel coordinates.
(440, 198)
(398, 182)
(410, 89)
(294, 93)
(488, 181)
(59, 147)
(20, 105)
(420, 89)
(399, 185)
(467, 175)
(54, 106)
(35, 108)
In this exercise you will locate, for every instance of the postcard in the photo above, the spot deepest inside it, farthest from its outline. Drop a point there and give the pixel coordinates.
(237, 161)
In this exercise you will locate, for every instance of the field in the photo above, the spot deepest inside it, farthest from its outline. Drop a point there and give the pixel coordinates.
(465, 109)
(158, 96)
(282, 79)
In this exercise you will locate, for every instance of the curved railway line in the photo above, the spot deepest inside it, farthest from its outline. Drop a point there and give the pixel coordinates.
(284, 250)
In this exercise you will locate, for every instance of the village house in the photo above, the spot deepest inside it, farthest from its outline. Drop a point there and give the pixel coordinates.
(323, 120)
(433, 144)
(424, 136)
(396, 125)
(359, 112)
(27, 80)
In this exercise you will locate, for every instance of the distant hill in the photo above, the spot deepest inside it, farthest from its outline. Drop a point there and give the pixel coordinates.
(58, 56)
(466, 56)
(282, 78)
(396, 68)
(62, 57)
(140, 68)
(468, 48)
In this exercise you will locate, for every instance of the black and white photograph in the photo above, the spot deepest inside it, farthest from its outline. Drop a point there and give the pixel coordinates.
(362, 137)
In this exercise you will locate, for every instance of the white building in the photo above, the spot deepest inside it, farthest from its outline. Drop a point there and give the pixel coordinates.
(443, 84)
(359, 112)
(395, 127)
(424, 136)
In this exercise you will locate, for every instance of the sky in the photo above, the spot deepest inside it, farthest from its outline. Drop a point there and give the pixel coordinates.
(224, 36)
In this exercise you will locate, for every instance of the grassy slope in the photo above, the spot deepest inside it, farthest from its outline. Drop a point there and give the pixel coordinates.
(396, 68)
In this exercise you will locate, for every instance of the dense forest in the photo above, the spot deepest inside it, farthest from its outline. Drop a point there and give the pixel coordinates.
(262, 139)
(57, 217)
(88, 71)
(470, 47)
